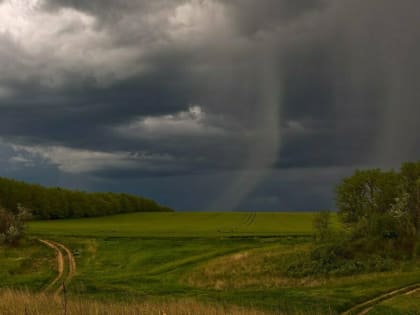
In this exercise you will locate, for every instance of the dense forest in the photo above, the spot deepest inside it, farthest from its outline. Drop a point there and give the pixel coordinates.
(59, 203)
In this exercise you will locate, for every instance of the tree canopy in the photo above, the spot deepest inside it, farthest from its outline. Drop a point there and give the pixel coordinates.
(59, 203)
(383, 206)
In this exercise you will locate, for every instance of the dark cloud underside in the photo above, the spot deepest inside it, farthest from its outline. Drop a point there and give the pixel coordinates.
(208, 104)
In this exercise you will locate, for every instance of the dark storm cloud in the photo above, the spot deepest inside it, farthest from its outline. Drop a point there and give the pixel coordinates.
(253, 17)
(253, 99)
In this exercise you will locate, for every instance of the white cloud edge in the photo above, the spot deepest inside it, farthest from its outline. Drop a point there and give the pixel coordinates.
(71, 160)
(191, 122)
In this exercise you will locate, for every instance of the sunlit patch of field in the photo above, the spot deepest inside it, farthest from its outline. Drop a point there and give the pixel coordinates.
(255, 268)
(266, 267)
(182, 224)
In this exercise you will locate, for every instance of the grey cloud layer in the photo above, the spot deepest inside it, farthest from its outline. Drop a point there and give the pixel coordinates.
(286, 85)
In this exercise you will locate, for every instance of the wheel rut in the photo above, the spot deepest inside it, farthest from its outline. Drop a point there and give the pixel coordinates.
(365, 307)
(66, 267)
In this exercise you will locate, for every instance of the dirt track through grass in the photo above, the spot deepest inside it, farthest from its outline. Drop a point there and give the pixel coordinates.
(66, 268)
(365, 307)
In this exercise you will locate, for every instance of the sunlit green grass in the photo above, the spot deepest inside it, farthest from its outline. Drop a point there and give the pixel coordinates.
(158, 268)
(182, 224)
(29, 265)
(154, 256)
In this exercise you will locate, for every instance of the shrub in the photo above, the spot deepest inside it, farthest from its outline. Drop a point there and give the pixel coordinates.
(322, 226)
(12, 224)
(340, 259)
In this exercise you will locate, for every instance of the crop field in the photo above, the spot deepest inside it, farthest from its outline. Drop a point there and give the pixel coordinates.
(219, 259)
(182, 224)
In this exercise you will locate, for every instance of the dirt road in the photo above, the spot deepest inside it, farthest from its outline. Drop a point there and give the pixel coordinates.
(66, 267)
(365, 307)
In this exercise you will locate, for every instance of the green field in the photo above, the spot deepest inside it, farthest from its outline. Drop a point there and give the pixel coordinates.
(400, 305)
(31, 265)
(182, 224)
(221, 258)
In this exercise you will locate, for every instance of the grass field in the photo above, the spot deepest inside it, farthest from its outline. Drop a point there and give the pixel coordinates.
(20, 302)
(182, 224)
(32, 264)
(400, 305)
(214, 258)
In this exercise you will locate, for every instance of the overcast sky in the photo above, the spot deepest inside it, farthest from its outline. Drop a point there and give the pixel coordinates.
(208, 104)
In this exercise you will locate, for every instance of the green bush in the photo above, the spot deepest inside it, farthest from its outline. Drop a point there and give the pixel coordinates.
(322, 226)
(12, 225)
(339, 259)
(383, 208)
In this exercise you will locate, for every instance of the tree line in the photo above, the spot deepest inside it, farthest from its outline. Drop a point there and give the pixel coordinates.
(59, 203)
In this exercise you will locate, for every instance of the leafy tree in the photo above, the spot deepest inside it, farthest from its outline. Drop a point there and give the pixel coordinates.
(410, 177)
(366, 196)
(322, 225)
(383, 207)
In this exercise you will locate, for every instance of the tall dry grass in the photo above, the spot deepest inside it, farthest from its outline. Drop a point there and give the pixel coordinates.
(25, 303)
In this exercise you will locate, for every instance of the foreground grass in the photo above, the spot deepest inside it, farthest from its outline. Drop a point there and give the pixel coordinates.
(20, 302)
(247, 272)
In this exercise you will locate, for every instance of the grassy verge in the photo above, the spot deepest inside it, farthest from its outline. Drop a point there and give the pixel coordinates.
(30, 265)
